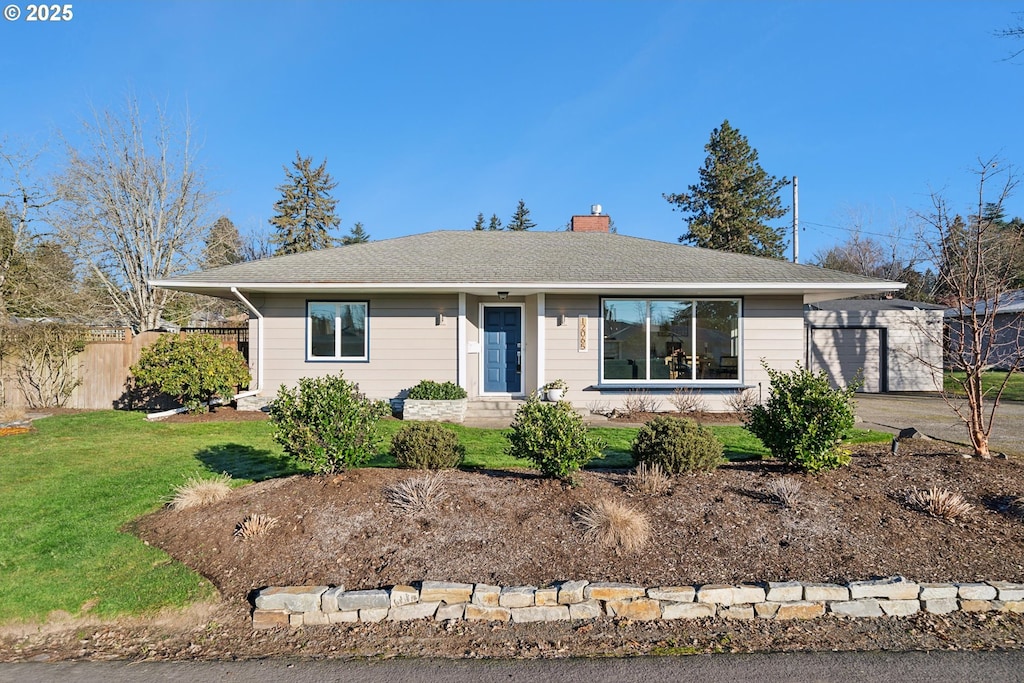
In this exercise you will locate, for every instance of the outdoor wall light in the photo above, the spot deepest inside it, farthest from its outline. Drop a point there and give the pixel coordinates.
(561, 319)
(440, 319)
(502, 295)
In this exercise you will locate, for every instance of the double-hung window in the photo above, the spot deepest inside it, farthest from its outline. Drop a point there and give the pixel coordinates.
(670, 341)
(336, 330)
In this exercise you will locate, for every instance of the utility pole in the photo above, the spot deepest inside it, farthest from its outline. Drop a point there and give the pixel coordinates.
(796, 222)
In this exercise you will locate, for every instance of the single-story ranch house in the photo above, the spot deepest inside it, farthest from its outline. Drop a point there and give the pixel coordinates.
(503, 313)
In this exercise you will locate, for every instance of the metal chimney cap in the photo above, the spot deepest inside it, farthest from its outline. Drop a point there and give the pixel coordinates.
(595, 209)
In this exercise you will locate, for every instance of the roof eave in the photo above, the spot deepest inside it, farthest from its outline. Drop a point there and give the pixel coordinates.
(811, 291)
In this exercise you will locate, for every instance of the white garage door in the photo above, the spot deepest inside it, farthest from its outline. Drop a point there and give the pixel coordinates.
(842, 352)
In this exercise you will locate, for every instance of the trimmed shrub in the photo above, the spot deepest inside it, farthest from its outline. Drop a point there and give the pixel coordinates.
(427, 390)
(805, 419)
(193, 369)
(327, 424)
(427, 446)
(553, 437)
(677, 444)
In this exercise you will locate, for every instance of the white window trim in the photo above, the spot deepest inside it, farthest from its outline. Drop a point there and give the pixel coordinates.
(337, 357)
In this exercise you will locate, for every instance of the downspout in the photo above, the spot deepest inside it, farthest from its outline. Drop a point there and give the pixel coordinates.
(259, 345)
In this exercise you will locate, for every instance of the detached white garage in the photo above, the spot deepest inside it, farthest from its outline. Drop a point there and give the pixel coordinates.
(893, 344)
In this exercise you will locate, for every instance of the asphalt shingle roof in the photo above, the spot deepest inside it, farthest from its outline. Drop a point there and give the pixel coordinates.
(518, 257)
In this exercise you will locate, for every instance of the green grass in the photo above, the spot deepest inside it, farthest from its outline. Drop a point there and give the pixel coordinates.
(67, 491)
(70, 491)
(989, 382)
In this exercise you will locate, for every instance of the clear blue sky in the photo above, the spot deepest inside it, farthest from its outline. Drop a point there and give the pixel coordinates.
(429, 112)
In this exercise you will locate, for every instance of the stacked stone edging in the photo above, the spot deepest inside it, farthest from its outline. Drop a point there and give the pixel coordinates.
(577, 600)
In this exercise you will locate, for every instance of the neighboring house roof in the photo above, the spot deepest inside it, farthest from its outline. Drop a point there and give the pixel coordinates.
(484, 262)
(873, 305)
(1011, 302)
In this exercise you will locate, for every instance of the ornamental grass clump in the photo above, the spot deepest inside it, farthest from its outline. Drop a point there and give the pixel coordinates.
(254, 526)
(940, 502)
(677, 444)
(804, 421)
(613, 525)
(198, 492)
(648, 479)
(419, 494)
(784, 491)
(327, 424)
(427, 446)
(553, 437)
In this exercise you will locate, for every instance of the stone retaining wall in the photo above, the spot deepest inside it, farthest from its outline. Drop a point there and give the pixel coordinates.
(577, 600)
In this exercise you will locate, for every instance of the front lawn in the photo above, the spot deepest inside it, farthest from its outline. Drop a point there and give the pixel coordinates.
(989, 382)
(70, 491)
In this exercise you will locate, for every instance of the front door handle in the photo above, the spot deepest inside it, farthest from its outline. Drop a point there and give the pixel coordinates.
(519, 362)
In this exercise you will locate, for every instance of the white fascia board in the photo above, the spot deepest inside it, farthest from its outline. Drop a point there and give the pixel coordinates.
(812, 291)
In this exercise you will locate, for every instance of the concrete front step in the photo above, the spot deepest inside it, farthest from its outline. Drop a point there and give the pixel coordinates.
(493, 409)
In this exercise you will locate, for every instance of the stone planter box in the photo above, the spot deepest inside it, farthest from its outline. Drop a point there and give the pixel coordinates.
(434, 411)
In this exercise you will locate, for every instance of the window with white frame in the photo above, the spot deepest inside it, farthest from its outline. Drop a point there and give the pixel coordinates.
(336, 330)
(670, 340)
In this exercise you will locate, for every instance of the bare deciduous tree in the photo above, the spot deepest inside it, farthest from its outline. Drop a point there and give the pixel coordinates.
(976, 260)
(134, 208)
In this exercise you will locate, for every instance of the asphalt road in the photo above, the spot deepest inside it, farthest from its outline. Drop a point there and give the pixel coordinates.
(931, 415)
(910, 667)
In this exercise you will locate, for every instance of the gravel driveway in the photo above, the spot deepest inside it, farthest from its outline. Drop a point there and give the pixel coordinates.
(929, 414)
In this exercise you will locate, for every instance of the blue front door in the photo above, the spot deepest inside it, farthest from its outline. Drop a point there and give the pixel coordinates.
(503, 350)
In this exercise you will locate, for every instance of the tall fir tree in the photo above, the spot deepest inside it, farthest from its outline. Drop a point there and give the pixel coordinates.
(479, 224)
(305, 213)
(520, 219)
(223, 244)
(356, 235)
(730, 207)
(495, 222)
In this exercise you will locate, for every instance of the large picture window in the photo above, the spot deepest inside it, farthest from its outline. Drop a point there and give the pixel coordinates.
(670, 340)
(336, 330)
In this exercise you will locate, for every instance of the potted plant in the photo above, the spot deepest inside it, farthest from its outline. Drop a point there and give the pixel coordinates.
(555, 389)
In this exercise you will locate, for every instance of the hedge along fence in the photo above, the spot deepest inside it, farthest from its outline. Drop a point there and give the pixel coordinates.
(579, 600)
(103, 367)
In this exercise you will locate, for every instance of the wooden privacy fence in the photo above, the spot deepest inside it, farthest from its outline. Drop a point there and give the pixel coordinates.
(104, 366)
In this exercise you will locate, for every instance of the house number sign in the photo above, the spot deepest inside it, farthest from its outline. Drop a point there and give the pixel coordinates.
(582, 333)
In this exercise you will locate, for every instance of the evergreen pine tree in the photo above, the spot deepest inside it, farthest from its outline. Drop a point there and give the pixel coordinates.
(356, 235)
(521, 218)
(305, 213)
(730, 206)
(479, 225)
(495, 223)
(223, 244)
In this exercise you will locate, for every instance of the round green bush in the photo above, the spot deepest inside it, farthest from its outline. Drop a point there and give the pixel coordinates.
(193, 369)
(553, 437)
(327, 424)
(427, 390)
(678, 444)
(427, 446)
(805, 419)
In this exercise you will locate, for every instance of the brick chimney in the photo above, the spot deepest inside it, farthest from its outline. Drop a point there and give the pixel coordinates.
(595, 222)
